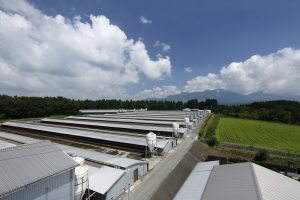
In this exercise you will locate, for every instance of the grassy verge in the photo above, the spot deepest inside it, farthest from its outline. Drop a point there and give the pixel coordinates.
(209, 130)
(205, 125)
(274, 162)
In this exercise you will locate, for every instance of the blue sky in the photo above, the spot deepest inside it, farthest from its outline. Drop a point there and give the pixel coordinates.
(202, 35)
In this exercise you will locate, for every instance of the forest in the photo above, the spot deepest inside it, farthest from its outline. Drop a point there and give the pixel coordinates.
(16, 107)
(277, 111)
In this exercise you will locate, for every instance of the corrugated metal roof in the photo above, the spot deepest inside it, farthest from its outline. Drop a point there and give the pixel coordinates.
(161, 143)
(4, 144)
(233, 181)
(137, 121)
(275, 186)
(99, 157)
(26, 164)
(114, 125)
(140, 117)
(106, 159)
(98, 111)
(194, 185)
(249, 181)
(103, 178)
(18, 138)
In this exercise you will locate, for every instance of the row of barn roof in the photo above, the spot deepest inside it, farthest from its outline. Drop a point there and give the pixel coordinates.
(109, 175)
(247, 181)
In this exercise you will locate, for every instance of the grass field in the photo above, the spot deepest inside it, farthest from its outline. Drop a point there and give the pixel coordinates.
(259, 134)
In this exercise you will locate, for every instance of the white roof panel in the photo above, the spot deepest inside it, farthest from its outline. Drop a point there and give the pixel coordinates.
(161, 143)
(18, 138)
(232, 181)
(103, 178)
(5, 144)
(275, 186)
(106, 159)
(194, 185)
(99, 157)
(114, 125)
(137, 121)
(249, 181)
(98, 111)
(140, 117)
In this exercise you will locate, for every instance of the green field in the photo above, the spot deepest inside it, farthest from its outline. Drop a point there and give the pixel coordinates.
(259, 134)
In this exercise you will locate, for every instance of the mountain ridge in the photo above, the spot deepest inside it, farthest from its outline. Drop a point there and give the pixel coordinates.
(229, 97)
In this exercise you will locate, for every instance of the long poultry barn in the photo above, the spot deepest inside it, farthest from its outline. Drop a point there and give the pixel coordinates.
(132, 128)
(127, 121)
(93, 156)
(126, 142)
(108, 175)
(159, 114)
(141, 117)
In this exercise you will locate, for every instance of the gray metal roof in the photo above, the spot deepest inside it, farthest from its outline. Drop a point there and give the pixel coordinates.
(4, 144)
(98, 111)
(273, 185)
(234, 182)
(193, 187)
(140, 117)
(136, 121)
(104, 178)
(249, 181)
(18, 138)
(114, 125)
(26, 164)
(161, 143)
(103, 158)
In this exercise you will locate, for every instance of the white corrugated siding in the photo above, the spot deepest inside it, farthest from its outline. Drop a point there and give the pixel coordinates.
(56, 187)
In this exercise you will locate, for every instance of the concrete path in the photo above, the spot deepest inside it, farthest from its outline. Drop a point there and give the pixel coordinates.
(155, 177)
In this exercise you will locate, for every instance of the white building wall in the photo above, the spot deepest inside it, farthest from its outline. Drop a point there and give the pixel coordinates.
(56, 187)
(122, 184)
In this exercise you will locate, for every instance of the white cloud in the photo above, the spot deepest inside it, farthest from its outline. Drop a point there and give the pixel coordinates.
(45, 55)
(144, 20)
(164, 47)
(157, 92)
(188, 69)
(277, 73)
(201, 83)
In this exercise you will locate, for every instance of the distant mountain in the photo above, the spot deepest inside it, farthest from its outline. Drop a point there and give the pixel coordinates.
(229, 97)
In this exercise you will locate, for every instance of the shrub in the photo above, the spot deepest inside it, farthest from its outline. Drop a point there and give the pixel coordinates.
(261, 155)
(213, 142)
(211, 130)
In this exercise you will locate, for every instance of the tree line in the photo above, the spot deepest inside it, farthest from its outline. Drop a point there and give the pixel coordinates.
(16, 107)
(277, 111)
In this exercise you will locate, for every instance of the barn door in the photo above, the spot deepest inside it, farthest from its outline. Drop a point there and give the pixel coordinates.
(136, 175)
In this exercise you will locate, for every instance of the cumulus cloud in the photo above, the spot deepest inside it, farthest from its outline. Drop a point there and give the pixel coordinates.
(54, 55)
(201, 83)
(144, 20)
(157, 92)
(164, 47)
(277, 73)
(188, 69)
